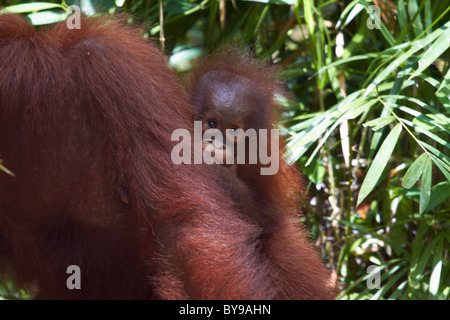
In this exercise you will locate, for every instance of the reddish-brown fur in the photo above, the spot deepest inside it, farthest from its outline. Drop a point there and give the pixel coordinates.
(86, 118)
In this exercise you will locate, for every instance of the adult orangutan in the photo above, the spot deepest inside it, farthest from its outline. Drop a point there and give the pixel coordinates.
(86, 117)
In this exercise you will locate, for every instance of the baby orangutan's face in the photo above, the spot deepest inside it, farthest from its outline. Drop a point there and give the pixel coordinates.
(226, 102)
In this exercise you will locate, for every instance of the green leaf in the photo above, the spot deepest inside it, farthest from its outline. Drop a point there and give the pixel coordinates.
(425, 186)
(345, 61)
(435, 51)
(182, 60)
(445, 85)
(421, 255)
(401, 58)
(442, 166)
(414, 172)
(315, 171)
(402, 15)
(47, 17)
(442, 157)
(431, 123)
(398, 291)
(179, 7)
(379, 163)
(435, 278)
(379, 123)
(4, 169)
(31, 7)
(395, 89)
(351, 113)
(308, 11)
(440, 193)
(315, 127)
(278, 2)
(355, 8)
(420, 129)
(414, 12)
(392, 281)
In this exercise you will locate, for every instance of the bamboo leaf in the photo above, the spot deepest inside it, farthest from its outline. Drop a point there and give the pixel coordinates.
(445, 84)
(421, 104)
(418, 128)
(414, 12)
(47, 17)
(308, 10)
(278, 2)
(435, 278)
(398, 291)
(415, 46)
(420, 254)
(31, 7)
(392, 281)
(4, 169)
(440, 192)
(379, 163)
(428, 14)
(354, 109)
(395, 89)
(300, 143)
(355, 8)
(431, 123)
(414, 172)
(442, 157)
(425, 186)
(387, 240)
(402, 15)
(345, 61)
(442, 166)
(435, 51)
(379, 123)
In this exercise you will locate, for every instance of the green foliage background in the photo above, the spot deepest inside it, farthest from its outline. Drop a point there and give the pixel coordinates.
(369, 122)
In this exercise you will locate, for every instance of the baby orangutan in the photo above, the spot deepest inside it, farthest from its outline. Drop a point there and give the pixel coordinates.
(234, 93)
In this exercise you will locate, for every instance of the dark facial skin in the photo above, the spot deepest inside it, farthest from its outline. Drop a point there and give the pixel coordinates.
(224, 100)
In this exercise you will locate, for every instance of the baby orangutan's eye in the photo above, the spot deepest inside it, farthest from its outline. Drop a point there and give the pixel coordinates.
(212, 124)
(234, 130)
